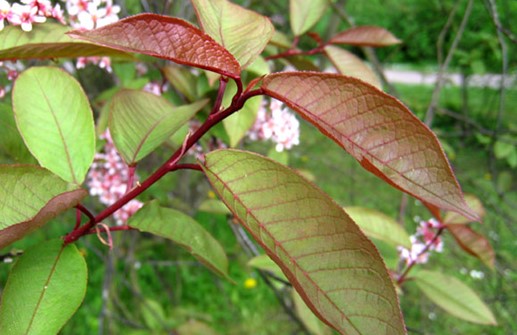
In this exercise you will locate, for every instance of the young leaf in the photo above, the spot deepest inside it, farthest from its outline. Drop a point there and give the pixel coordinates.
(380, 226)
(55, 120)
(243, 32)
(11, 143)
(184, 231)
(30, 196)
(377, 130)
(305, 14)
(141, 121)
(454, 297)
(335, 268)
(265, 263)
(164, 37)
(48, 40)
(350, 65)
(366, 36)
(473, 202)
(313, 324)
(473, 243)
(182, 80)
(238, 124)
(44, 289)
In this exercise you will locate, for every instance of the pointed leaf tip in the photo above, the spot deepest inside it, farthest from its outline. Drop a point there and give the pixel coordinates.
(164, 37)
(335, 268)
(365, 36)
(377, 130)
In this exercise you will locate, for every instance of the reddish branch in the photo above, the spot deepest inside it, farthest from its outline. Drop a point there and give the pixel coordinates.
(170, 165)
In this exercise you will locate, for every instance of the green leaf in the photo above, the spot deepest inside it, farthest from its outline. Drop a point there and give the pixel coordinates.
(44, 289)
(311, 322)
(380, 226)
(454, 297)
(182, 80)
(194, 327)
(30, 196)
(11, 143)
(305, 14)
(350, 65)
(243, 32)
(474, 203)
(214, 206)
(55, 120)
(366, 36)
(164, 37)
(377, 130)
(141, 121)
(503, 149)
(184, 231)
(335, 268)
(265, 263)
(238, 124)
(47, 40)
(473, 243)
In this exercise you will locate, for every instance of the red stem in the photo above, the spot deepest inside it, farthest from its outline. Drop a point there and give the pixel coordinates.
(168, 166)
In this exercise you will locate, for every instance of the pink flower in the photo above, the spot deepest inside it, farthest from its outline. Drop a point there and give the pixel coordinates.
(153, 87)
(25, 16)
(279, 126)
(108, 179)
(5, 12)
(423, 242)
(44, 6)
(57, 13)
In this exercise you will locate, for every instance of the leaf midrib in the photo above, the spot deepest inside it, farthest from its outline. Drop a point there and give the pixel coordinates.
(45, 287)
(58, 126)
(279, 245)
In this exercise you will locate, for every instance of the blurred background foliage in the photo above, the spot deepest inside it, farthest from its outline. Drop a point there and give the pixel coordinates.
(146, 285)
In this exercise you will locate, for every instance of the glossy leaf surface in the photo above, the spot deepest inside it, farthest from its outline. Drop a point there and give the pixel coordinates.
(335, 268)
(184, 231)
(455, 297)
(349, 64)
(380, 226)
(365, 36)
(55, 120)
(164, 37)
(473, 243)
(48, 40)
(44, 289)
(377, 130)
(305, 14)
(30, 196)
(141, 121)
(243, 32)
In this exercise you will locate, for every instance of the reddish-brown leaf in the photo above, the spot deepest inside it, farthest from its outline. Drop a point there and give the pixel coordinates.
(366, 36)
(164, 37)
(473, 243)
(30, 196)
(375, 128)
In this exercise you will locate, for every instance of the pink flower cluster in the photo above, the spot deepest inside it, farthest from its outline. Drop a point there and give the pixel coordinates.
(11, 71)
(423, 242)
(82, 14)
(277, 124)
(27, 12)
(108, 179)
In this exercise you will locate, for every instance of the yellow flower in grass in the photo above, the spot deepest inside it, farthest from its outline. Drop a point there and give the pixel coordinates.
(250, 283)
